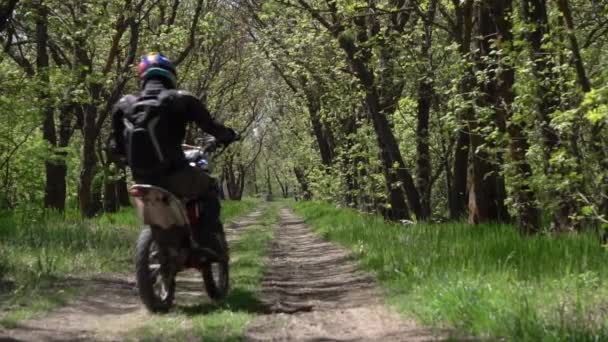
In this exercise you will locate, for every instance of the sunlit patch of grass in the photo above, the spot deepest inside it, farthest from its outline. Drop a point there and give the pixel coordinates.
(164, 328)
(226, 320)
(223, 325)
(486, 279)
(233, 209)
(55, 245)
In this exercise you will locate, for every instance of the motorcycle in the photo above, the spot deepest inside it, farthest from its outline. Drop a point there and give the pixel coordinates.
(165, 246)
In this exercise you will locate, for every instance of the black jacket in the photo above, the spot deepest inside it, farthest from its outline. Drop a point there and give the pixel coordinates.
(182, 107)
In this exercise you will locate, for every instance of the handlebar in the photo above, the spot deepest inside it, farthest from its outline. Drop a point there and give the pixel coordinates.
(192, 147)
(211, 144)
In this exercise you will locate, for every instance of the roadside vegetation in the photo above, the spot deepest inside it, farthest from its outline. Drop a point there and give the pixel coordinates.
(225, 321)
(485, 280)
(40, 252)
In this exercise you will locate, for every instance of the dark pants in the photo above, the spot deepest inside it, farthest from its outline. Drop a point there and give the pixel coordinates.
(193, 183)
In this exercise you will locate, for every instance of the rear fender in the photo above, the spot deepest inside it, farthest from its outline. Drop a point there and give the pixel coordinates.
(158, 207)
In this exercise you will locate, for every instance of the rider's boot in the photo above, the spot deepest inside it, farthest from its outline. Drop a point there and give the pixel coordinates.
(208, 235)
(215, 239)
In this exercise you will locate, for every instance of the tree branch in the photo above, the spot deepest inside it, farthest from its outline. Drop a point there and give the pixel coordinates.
(191, 41)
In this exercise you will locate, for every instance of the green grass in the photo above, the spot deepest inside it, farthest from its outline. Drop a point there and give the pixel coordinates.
(225, 321)
(233, 209)
(484, 280)
(34, 248)
(39, 249)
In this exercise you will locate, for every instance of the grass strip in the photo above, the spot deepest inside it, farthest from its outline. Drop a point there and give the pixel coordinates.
(485, 280)
(225, 321)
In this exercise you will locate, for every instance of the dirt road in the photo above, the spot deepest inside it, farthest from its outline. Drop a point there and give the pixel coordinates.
(312, 291)
(315, 292)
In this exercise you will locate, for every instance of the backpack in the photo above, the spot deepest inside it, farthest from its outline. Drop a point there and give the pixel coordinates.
(145, 136)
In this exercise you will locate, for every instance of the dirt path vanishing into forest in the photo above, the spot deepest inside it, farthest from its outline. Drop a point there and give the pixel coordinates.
(312, 290)
(315, 292)
(109, 306)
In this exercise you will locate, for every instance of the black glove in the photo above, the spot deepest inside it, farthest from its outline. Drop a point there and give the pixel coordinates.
(234, 136)
(211, 147)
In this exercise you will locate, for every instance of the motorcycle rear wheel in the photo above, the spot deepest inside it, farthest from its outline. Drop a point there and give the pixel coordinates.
(156, 288)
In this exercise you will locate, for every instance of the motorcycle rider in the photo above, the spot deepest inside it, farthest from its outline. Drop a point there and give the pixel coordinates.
(148, 129)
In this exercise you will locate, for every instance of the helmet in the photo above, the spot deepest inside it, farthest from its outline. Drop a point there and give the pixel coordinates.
(157, 65)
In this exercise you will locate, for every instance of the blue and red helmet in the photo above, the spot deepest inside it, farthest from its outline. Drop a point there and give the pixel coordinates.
(155, 65)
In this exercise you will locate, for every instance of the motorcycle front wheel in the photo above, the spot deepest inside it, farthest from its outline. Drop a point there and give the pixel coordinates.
(216, 275)
(155, 286)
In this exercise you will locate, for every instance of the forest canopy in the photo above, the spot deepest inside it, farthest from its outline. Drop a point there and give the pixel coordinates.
(489, 111)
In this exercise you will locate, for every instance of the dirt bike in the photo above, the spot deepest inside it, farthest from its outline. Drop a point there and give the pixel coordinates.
(165, 246)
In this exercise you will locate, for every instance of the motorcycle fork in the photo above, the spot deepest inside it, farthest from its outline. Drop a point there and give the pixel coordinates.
(168, 250)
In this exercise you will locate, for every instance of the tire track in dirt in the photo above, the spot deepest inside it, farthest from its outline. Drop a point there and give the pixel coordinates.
(109, 307)
(315, 292)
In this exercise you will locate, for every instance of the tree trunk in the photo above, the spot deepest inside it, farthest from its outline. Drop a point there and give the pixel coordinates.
(352, 187)
(463, 31)
(349, 164)
(282, 185)
(423, 160)
(55, 168)
(110, 196)
(234, 179)
(482, 184)
(88, 156)
(88, 164)
(240, 183)
(398, 207)
(93, 118)
(597, 145)
(231, 180)
(5, 200)
(459, 188)
(321, 134)
(448, 181)
(254, 172)
(564, 8)
(55, 190)
(528, 214)
(423, 170)
(425, 95)
(303, 181)
(268, 181)
(535, 15)
(487, 190)
(6, 11)
(96, 203)
(223, 186)
(122, 189)
(399, 182)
